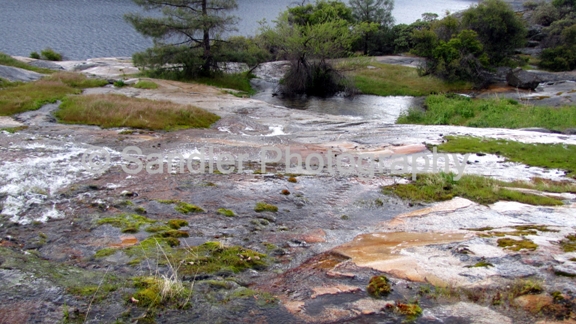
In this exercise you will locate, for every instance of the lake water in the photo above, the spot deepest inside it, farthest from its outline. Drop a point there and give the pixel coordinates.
(83, 29)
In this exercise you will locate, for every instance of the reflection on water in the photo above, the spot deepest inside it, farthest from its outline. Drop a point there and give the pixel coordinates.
(386, 109)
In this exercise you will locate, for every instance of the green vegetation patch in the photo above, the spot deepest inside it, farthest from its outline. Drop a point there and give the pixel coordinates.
(33, 95)
(102, 253)
(520, 230)
(177, 223)
(517, 245)
(226, 212)
(411, 311)
(378, 286)
(10, 61)
(186, 208)
(213, 257)
(155, 292)
(557, 156)
(145, 84)
(568, 244)
(235, 81)
(128, 223)
(498, 113)
(430, 187)
(13, 130)
(396, 80)
(481, 264)
(262, 206)
(113, 110)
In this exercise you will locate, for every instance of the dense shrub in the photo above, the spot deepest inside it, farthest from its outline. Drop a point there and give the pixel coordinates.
(50, 55)
(560, 58)
(499, 29)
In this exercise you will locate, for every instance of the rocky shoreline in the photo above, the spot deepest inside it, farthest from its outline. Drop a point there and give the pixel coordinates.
(329, 235)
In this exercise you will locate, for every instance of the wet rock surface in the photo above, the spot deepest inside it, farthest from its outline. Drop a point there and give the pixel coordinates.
(63, 257)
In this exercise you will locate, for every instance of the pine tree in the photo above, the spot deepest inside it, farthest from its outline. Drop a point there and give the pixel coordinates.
(184, 34)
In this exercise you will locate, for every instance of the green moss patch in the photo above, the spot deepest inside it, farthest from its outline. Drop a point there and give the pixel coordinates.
(177, 223)
(102, 253)
(568, 244)
(517, 245)
(262, 207)
(186, 208)
(226, 212)
(430, 187)
(213, 257)
(128, 223)
(378, 286)
(557, 156)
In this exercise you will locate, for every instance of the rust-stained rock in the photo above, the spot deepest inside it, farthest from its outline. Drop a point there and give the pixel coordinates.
(334, 290)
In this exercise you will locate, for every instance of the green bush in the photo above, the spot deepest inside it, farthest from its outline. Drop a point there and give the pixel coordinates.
(35, 55)
(560, 58)
(50, 55)
(499, 29)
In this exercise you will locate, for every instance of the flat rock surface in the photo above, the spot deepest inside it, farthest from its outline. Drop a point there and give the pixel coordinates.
(17, 74)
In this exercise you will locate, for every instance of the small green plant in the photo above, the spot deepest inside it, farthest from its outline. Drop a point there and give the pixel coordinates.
(186, 208)
(262, 206)
(35, 55)
(378, 286)
(51, 55)
(226, 212)
(119, 83)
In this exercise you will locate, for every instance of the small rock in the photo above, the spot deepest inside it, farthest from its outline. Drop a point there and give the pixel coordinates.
(127, 193)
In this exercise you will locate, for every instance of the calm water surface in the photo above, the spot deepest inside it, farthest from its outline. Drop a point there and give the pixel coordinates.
(82, 29)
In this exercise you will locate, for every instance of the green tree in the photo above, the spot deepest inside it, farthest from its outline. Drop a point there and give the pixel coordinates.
(183, 35)
(378, 12)
(308, 37)
(499, 29)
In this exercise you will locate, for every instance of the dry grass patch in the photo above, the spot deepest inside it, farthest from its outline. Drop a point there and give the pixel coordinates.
(120, 111)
